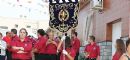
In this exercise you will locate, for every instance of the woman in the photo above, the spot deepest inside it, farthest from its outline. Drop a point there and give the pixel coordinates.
(126, 56)
(3, 47)
(21, 49)
(39, 47)
(68, 53)
(51, 47)
(120, 49)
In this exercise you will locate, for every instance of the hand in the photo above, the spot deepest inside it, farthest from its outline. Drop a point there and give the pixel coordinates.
(15, 48)
(65, 52)
(53, 42)
(21, 52)
(21, 48)
(87, 54)
(63, 38)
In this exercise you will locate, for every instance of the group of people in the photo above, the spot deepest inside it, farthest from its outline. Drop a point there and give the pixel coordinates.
(122, 50)
(45, 47)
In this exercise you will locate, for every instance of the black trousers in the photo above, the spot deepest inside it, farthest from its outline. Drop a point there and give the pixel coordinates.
(40, 56)
(9, 55)
(76, 57)
(51, 57)
(22, 59)
(2, 57)
(90, 58)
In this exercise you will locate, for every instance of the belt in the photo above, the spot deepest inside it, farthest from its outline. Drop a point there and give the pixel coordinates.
(90, 58)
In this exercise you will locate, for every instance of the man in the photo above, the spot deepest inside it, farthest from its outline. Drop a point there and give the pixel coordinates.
(2, 48)
(39, 47)
(7, 39)
(14, 34)
(75, 44)
(92, 50)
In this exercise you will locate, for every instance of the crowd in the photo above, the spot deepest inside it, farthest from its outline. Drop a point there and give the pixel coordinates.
(45, 47)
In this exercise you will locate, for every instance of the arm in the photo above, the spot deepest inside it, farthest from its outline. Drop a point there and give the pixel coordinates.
(70, 57)
(39, 45)
(48, 42)
(59, 45)
(76, 45)
(28, 48)
(14, 49)
(86, 52)
(53, 42)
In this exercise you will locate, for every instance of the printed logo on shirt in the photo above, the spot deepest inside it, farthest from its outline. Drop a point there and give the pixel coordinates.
(25, 45)
(94, 48)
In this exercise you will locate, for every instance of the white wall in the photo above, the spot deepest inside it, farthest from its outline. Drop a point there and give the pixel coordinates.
(22, 23)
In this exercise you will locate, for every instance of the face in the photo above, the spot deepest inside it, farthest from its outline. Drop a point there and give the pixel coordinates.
(9, 34)
(89, 40)
(38, 35)
(51, 35)
(12, 34)
(22, 34)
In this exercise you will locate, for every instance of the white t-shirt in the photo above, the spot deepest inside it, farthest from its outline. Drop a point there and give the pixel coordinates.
(3, 47)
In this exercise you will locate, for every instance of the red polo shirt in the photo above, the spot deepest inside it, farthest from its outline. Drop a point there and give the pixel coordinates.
(41, 45)
(51, 49)
(117, 56)
(93, 50)
(72, 53)
(76, 44)
(7, 39)
(15, 38)
(27, 45)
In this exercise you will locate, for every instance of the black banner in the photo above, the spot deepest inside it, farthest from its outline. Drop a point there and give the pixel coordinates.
(63, 16)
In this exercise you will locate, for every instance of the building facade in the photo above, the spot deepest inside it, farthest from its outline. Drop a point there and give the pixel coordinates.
(107, 24)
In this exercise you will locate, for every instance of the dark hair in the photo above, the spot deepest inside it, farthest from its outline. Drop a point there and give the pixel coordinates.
(120, 46)
(14, 31)
(127, 43)
(25, 30)
(75, 33)
(67, 42)
(92, 37)
(7, 32)
(1, 34)
(41, 32)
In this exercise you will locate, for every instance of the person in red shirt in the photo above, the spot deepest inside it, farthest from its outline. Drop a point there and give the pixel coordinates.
(120, 49)
(51, 47)
(75, 44)
(92, 50)
(21, 48)
(14, 34)
(68, 53)
(40, 45)
(7, 39)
